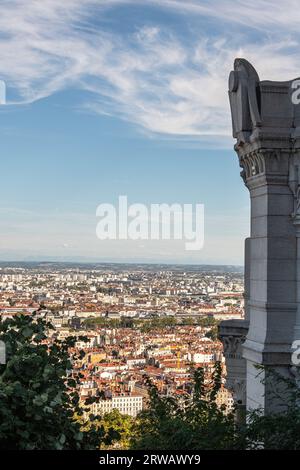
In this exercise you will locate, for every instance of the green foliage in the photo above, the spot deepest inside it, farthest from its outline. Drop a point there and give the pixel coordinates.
(38, 396)
(185, 423)
(278, 430)
(207, 321)
(117, 429)
(213, 333)
(122, 425)
(39, 406)
(158, 322)
(191, 423)
(102, 322)
(146, 324)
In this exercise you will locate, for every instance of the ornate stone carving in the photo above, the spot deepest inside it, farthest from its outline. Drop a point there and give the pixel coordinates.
(266, 125)
(243, 96)
(269, 163)
(232, 333)
(232, 345)
(253, 164)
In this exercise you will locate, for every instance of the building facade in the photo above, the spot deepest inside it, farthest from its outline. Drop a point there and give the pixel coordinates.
(258, 350)
(126, 404)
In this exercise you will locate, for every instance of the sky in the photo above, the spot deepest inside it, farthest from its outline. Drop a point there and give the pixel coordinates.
(117, 97)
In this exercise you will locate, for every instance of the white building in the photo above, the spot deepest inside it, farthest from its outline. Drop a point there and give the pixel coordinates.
(199, 358)
(127, 404)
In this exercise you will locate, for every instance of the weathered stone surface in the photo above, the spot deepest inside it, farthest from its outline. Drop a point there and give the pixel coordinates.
(266, 126)
(232, 334)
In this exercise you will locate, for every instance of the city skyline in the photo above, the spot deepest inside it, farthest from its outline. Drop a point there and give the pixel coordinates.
(98, 107)
(130, 322)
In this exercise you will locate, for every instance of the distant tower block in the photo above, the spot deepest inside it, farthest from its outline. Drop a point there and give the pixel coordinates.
(266, 126)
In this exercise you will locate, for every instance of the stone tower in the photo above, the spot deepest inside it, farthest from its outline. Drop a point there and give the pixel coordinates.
(266, 126)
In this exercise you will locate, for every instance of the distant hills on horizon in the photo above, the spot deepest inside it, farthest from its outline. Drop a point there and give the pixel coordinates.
(114, 266)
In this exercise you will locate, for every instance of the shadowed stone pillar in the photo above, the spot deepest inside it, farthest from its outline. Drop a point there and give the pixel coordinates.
(265, 124)
(232, 333)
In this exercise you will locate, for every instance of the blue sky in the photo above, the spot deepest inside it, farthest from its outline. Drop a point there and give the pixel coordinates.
(127, 97)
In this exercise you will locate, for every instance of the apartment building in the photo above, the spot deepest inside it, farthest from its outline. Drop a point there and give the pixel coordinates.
(126, 404)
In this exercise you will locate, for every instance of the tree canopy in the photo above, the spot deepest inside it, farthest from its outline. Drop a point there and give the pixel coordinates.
(38, 394)
(40, 408)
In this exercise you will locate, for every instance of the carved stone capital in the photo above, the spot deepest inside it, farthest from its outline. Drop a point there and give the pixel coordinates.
(266, 126)
(253, 164)
(232, 333)
(265, 166)
(232, 345)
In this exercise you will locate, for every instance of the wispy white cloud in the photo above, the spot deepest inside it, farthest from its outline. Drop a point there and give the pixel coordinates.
(150, 75)
(260, 14)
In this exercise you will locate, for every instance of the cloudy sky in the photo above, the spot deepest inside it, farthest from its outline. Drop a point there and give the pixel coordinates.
(128, 97)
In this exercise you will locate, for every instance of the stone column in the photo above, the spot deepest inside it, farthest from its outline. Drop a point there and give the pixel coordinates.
(232, 333)
(263, 120)
(247, 277)
(272, 303)
(294, 183)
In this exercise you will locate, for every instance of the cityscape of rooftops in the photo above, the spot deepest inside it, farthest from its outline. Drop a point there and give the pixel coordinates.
(149, 276)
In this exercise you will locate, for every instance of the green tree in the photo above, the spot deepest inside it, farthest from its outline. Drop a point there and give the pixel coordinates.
(187, 423)
(207, 321)
(278, 430)
(126, 322)
(196, 422)
(116, 428)
(38, 395)
(213, 333)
